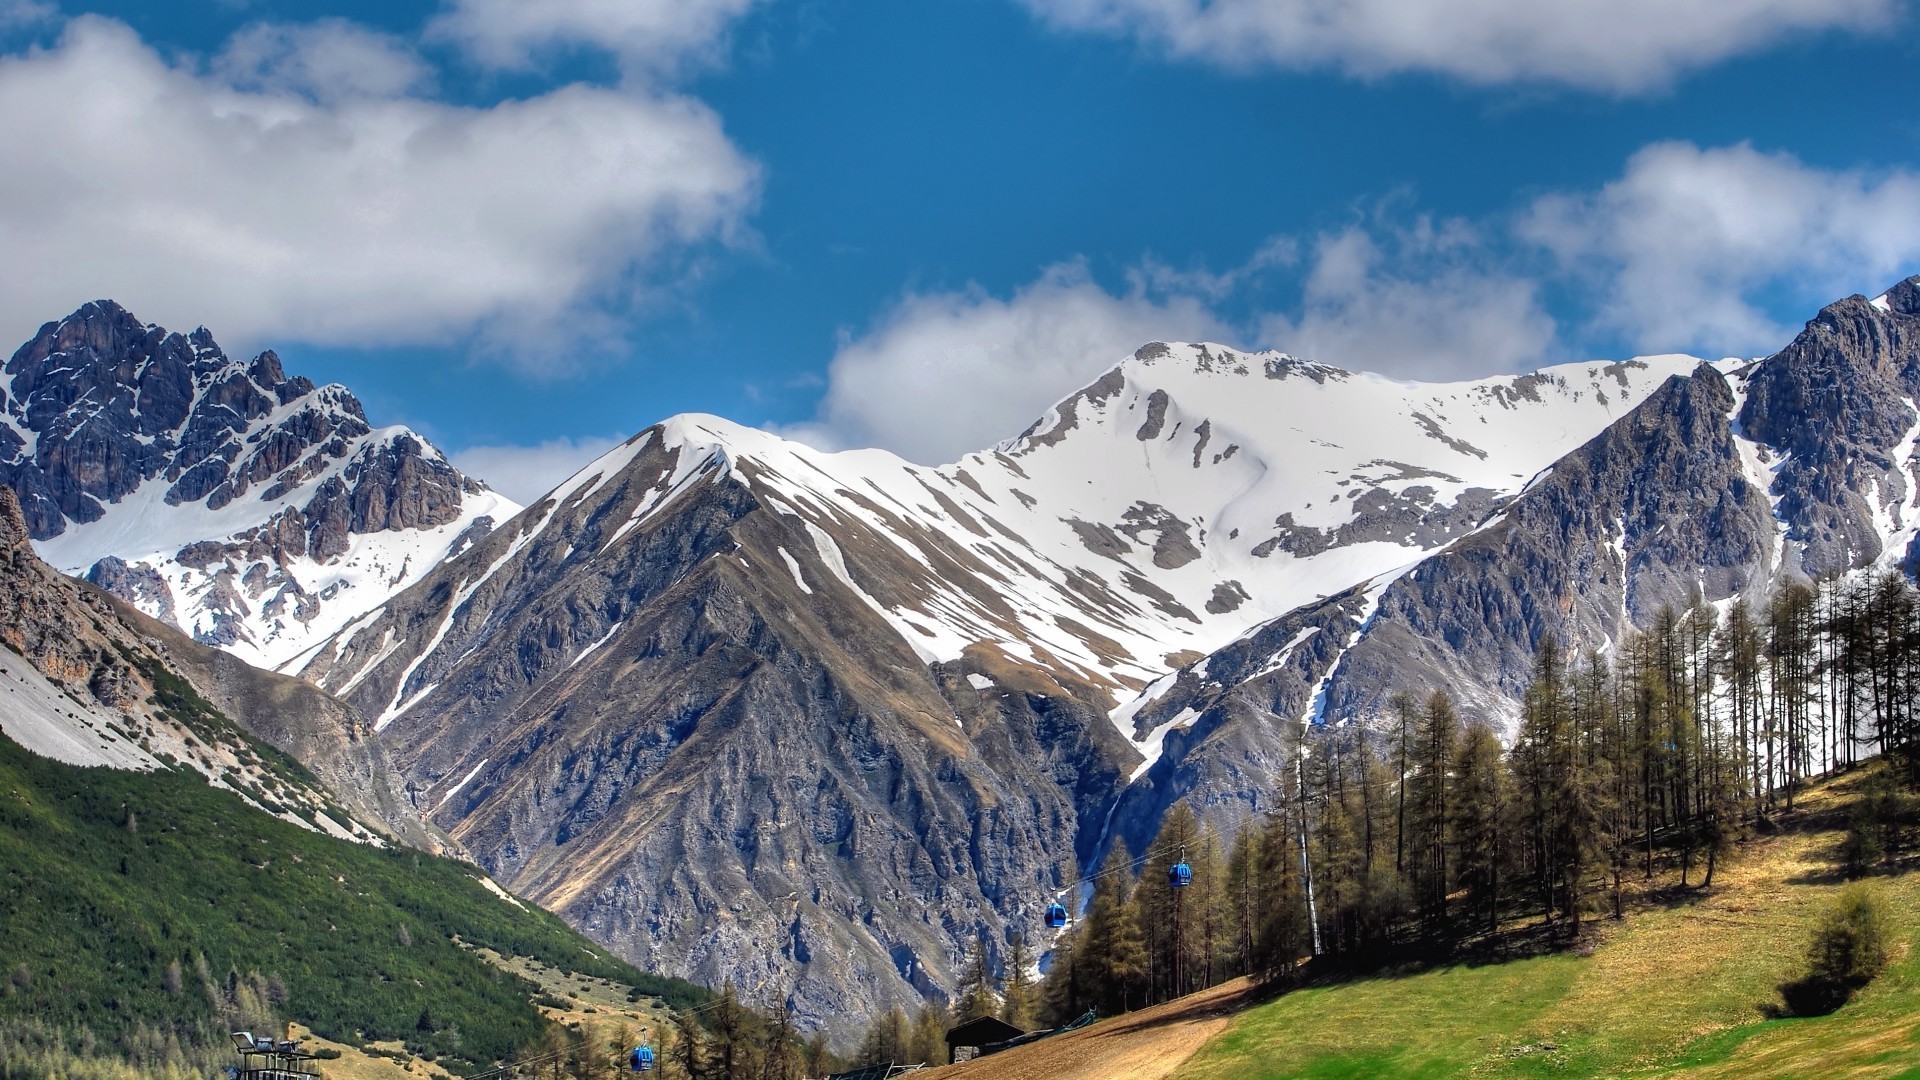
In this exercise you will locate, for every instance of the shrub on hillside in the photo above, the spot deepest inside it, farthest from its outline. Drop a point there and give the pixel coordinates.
(1875, 830)
(1849, 948)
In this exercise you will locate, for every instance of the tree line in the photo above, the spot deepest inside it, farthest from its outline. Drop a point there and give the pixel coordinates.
(1419, 830)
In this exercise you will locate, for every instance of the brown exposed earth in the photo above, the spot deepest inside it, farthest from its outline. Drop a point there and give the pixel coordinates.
(1144, 1045)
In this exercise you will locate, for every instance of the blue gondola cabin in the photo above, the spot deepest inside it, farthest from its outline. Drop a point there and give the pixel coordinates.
(1056, 916)
(1180, 876)
(641, 1059)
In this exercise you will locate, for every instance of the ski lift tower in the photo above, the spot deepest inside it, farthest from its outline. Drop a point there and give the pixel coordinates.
(265, 1058)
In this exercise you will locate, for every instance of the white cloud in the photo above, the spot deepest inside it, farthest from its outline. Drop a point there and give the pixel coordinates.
(1607, 45)
(645, 34)
(263, 212)
(1685, 248)
(945, 373)
(524, 473)
(1433, 303)
(328, 61)
(26, 12)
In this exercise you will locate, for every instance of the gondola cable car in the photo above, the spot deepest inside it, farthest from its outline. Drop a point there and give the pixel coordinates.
(641, 1059)
(1180, 875)
(1056, 915)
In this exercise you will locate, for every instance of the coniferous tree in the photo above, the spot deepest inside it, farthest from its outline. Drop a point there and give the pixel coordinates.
(782, 1059)
(689, 1046)
(1019, 1004)
(1437, 733)
(729, 1047)
(889, 1040)
(1242, 886)
(818, 1059)
(1482, 797)
(1065, 993)
(1283, 936)
(1113, 958)
(927, 1041)
(976, 997)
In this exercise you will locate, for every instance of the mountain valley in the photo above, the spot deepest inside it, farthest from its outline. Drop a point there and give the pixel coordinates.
(813, 722)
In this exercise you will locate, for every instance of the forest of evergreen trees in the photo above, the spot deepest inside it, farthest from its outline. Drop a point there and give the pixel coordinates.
(1420, 833)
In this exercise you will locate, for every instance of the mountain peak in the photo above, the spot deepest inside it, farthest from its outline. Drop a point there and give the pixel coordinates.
(227, 494)
(1902, 299)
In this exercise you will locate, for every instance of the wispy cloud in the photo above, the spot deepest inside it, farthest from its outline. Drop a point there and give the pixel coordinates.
(524, 473)
(943, 373)
(1686, 251)
(647, 36)
(1614, 46)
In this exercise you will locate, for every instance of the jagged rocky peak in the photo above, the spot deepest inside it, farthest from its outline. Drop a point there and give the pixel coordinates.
(249, 507)
(1857, 366)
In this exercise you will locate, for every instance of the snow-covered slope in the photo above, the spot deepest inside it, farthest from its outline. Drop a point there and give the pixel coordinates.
(1190, 493)
(726, 663)
(1802, 464)
(255, 511)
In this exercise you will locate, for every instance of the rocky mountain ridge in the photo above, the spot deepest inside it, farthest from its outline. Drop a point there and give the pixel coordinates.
(250, 508)
(813, 721)
(1800, 464)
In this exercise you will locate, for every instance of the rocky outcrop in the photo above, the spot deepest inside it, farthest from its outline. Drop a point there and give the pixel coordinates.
(1836, 407)
(226, 498)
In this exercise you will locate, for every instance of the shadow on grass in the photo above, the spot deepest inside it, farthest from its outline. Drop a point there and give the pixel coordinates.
(1812, 995)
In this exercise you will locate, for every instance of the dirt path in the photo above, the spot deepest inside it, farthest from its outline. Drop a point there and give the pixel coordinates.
(1144, 1045)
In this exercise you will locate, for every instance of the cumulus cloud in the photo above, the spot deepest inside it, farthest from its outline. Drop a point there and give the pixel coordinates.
(643, 34)
(1684, 250)
(250, 198)
(1428, 301)
(945, 373)
(1606, 45)
(524, 473)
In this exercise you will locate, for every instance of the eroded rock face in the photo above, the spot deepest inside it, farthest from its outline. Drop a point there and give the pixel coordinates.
(1855, 370)
(215, 494)
(697, 742)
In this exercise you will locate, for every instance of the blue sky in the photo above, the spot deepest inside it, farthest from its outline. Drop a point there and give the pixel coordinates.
(528, 228)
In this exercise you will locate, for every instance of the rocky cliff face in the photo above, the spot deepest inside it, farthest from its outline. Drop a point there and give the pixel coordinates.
(254, 510)
(87, 679)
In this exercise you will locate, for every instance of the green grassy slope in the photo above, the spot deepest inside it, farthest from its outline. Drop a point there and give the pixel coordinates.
(1677, 989)
(108, 879)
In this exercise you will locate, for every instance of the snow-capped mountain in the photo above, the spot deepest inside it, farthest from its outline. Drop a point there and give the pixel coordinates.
(1800, 464)
(663, 698)
(254, 510)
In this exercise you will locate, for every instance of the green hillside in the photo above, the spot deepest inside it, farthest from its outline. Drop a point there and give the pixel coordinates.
(1687, 985)
(140, 913)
